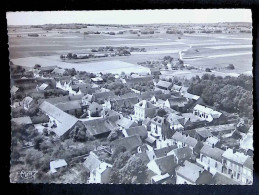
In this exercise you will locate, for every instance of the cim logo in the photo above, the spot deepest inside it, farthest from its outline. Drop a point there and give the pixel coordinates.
(27, 174)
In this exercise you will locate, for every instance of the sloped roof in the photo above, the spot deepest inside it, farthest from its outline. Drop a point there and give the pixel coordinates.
(92, 162)
(164, 84)
(204, 133)
(214, 153)
(43, 86)
(126, 123)
(57, 164)
(237, 157)
(189, 171)
(26, 120)
(182, 153)
(166, 164)
(138, 130)
(163, 96)
(99, 126)
(220, 179)
(71, 105)
(185, 139)
(164, 151)
(59, 71)
(175, 119)
(215, 114)
(65, 121)
(130, 143)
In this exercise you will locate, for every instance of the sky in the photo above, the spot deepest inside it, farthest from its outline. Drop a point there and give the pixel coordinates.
(130, 16)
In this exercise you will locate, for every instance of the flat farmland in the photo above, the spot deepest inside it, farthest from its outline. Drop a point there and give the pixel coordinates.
(215, 50)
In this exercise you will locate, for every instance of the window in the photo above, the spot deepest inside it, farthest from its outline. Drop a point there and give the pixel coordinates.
(216, 165)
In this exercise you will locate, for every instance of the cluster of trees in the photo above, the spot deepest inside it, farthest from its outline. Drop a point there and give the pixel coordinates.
(127, 169)
(231, 94)
(144, 86)
(118, 88)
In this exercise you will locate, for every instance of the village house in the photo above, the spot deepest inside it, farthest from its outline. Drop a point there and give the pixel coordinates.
(120, 103)
(130, 143)
(57, 164)
(162, 166)
(63, 123)
(211, 158)
(192, 121)
(181, 154)
(176, 122)
(212, 141)
(190, 173)
(164, 86)
(98, 171)
(160, 96)
(141, 131)
(163, 151)
(100, 96)
(209, 114)
(59, 71)
(100, 127)
(182, 140)
(125, 123)
(94, 109)
(160, 128)
(46, 70)
(180, 104)
(144, 109)
(97, 80)
(238, 166)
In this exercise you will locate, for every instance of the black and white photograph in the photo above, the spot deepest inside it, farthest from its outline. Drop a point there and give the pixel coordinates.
(131, 96)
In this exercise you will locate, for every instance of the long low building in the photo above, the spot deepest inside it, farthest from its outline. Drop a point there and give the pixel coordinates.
(64, 122)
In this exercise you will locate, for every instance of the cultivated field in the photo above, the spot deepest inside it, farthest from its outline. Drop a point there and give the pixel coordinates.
(213, 50)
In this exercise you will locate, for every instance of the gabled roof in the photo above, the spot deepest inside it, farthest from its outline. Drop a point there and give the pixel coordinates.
(43, 86)
(126, 123)
(65, 121)
(185, 139)
(194, 173)
(99, 126)
(138, 130)
(164, 151)
(182, 153)
(130, 143)
(237, 157)
(166, 164)
(175, 119)
(214, 153)
(71, 105)
(26, 120)
(213, 113)
(91, 162)
(163, 96)
(164, 84)
(204, 133)
(57, 164)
